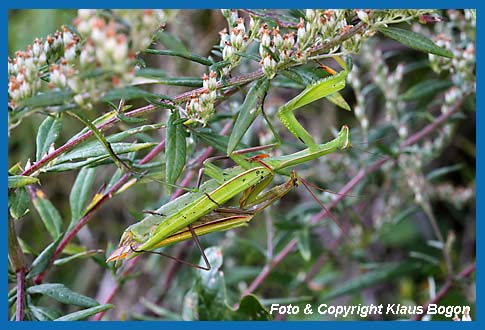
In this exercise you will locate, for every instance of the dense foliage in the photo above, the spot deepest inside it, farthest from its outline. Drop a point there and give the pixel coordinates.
(116, 112)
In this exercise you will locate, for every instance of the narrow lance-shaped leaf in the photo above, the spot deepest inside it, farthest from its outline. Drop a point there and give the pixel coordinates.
(380, 275)
(175, 149)
(79, 255)
(414, 40)
(42, 313)
(85, 313)
(338, 100)
(80, 193)
(171, 42)
(43, 259)
(17, 181)
(47, 134)
(188, 56)
(47, 99)
(48, 213)
(250, 308)
(62, 294)
(18, 203)
(248, 112)
(304, 244)
(129, 93)
(85, 120)
(97, 150)
(426, 88)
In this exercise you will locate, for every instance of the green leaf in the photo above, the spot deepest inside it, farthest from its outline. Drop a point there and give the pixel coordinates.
(382, 274)
(129, 120)
(414, 40)
(207, 299)
(180, 81)
(151, 73)
(338, 100)
(184, 54)
(439, 172)
(42, 313)
(104, 118)
(26, 248)
(117, 137)
(18, 203)
(210, 288)
(62, 294)
(85, 313)
(48, 132)
(250, 308)
(47, 99)
(175, 149)
(160, 77)
(304, 244)
(160, 311)
(96, 150)
(48, 213)
(426, 88)
(248, 111)
(71, 166)
(214, 140)
(83, 254)
(171, 42)
(129, 93)
(17, 181)
(80, 192)
(294, 76)
(43, 259)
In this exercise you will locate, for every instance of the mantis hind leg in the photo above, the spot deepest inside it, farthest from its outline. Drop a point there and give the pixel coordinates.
(188, 263)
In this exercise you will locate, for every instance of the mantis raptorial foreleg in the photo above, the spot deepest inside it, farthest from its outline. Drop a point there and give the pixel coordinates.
(313, 92)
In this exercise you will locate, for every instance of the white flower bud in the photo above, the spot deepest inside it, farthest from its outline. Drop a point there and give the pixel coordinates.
(227, 51)
(240, 25)
(86, 13)
(310, 14)
(252, 23)
(362, 16)
(265, 38)
(70, 52)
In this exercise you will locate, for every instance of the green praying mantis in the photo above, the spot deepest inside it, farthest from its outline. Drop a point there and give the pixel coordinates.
(201, 212)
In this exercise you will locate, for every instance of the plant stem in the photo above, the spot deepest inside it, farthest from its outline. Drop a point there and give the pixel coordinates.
(17, 259)
(19, 313)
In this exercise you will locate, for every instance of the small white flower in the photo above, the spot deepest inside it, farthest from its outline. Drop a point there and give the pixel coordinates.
(227, 51)
(240, 25)
(310, 14)
(362, 16)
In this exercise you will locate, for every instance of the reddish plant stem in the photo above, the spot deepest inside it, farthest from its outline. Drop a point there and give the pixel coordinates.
(81, 223)
(19, 313)
(345, 190)
(445, 289)
(17, 260)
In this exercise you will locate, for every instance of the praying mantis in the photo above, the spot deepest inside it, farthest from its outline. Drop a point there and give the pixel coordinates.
(201, 212)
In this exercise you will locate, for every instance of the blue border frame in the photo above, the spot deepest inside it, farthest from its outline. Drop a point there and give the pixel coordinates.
(479, 323)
